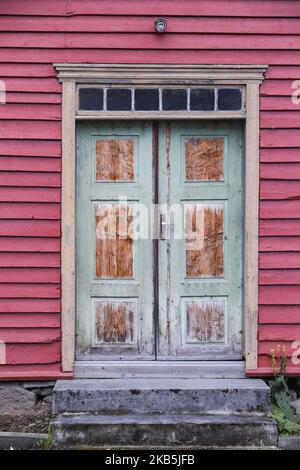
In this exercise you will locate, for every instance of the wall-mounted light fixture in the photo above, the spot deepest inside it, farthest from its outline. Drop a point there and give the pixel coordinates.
(160, 25)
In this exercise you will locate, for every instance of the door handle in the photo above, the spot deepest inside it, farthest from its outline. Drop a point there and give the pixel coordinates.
(164, 227)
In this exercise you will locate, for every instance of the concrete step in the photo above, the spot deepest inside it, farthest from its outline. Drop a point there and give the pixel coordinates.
(163, 431)
(160, 395)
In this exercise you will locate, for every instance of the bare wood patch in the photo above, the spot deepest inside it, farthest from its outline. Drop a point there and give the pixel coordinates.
(204, 224)
(115, 322)
(115, 160)
(114, 241)
(205, 321)
(204, 159)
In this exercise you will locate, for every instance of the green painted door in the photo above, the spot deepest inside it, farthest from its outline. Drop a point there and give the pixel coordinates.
(115, 296)
(159, 281)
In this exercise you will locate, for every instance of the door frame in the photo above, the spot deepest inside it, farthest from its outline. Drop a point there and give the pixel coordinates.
(249, 77)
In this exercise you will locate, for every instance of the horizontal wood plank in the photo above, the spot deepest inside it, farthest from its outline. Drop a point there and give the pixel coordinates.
(288, 171)
(279, 332)
(144, 24)
(15, 97)
(280, 189)
(40, 291)
(273, 155)
(30, 163)
(265, 347)
(23, 194)
(277, 103)
(279, 244)
(150, 41)
(252, 8)
(44, 112)
(191, 56)
(30, 244)
(264, 367)
(32, 84)
(279, 277)
(33, 372)
(30, 320)
(29, 260)
(30, 179)
(38, 275)
(33, 353)
(29, 306)
(21, 70)
(280, 119)
(280, 138)
(13, 129)
(279, 314)
(279, 260)
(16, 210)
(275, 227)
(276, 87)
(288, 71)
(277, 209)
(30, 228)
(28, 148)
(279, 295)
(30, 335)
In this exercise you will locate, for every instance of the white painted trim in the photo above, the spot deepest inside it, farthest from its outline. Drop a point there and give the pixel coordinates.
(251, 226)
(160, 74)
(159, 369)
(68, 226)
(157, 115)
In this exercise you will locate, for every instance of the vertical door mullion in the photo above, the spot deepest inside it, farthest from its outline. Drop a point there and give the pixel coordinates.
(163, 339)
(155, 232)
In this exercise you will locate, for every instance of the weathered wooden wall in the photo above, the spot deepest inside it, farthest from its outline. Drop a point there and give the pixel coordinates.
(36, 33)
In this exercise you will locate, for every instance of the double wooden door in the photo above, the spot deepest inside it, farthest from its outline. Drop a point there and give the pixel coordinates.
(159, 240)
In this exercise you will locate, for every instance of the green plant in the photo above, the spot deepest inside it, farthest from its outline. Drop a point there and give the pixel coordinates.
(47, 443)
(281, 409)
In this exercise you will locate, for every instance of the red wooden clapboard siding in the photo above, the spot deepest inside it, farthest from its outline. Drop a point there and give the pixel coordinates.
(145, 41)
(188, 56)
(36, 33)
(238, 8)
(273, 155)
(29, 260)
(36, 320)
(141, 24)
(30, 194)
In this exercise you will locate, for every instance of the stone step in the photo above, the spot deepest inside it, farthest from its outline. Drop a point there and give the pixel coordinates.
(163, 431)
(160, 395)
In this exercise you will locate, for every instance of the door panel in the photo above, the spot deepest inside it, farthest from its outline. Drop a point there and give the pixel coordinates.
(115, 298)
(200, 293)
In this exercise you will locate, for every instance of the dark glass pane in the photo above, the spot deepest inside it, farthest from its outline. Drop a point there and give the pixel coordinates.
(174, 99)
(91, 99)
(146, 99)
(229, 99)
(202, 99)
(118, 99)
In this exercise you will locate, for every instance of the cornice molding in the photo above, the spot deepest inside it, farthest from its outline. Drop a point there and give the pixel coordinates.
(160, 73)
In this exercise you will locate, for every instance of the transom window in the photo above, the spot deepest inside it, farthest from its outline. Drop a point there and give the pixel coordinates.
(190, 99)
